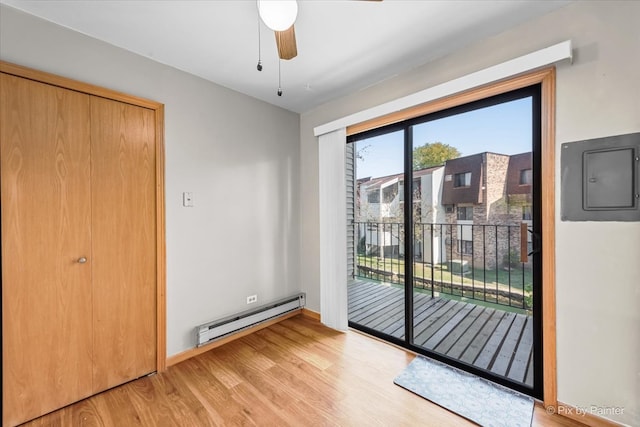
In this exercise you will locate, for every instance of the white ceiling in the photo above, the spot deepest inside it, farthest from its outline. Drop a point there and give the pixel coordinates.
(343, 46)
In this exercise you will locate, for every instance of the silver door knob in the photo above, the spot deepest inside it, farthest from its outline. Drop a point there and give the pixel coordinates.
(82, 260)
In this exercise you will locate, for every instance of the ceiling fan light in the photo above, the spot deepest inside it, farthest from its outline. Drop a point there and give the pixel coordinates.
(279, 15)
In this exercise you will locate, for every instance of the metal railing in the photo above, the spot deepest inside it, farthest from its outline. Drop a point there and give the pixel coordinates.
(482, 262)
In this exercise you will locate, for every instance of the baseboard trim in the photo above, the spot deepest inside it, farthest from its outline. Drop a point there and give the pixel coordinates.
(583, 415)
(313, 315)
(188, 354)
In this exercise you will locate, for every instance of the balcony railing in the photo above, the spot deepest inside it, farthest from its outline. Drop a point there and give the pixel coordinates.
(481, 262)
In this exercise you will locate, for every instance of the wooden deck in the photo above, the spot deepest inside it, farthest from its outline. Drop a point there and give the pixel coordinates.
(494, 340)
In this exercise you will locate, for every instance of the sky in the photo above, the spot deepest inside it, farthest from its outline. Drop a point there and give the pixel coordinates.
(503, 128)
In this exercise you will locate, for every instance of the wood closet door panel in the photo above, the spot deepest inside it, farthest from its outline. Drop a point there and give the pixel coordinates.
(124, 241)
(46, 212)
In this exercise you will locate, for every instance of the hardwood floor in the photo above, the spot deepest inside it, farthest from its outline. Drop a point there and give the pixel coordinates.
(296, 373)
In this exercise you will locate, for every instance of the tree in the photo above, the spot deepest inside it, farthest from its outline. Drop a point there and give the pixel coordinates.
(362, 151)
(433, 154)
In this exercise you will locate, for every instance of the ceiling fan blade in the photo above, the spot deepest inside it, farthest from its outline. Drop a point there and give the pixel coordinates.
(286, 41)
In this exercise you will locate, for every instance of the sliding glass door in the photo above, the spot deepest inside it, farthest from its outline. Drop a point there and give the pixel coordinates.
(447, 236)
(376, 295)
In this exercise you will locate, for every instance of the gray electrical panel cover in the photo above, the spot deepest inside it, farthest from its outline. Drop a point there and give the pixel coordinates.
(601, 179)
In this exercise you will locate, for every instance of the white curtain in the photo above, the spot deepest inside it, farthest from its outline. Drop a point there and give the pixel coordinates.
(333, 230)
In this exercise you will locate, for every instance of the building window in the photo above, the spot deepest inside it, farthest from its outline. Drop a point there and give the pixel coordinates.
(462, 179)
(465, 247)
(373, 196)
(389, 193)
(526, 177)
(465, 213)
(526, 213)
(417, 189)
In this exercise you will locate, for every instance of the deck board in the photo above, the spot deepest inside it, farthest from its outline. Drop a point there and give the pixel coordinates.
(448, 325)
(455, 338)
(393, 310)
(432, 323)
(377, 308)
(490, 339)
(488, 353)
(397, 311)
(529, 377)
(520, 360)
(508, 348)
(368, 299)
(477, 344)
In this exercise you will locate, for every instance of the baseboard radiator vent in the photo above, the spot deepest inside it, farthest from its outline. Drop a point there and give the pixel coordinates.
(212, 331)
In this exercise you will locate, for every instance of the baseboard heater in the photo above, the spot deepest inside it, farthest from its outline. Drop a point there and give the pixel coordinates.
(212, 331)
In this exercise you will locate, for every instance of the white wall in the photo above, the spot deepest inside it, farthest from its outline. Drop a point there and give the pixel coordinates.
(243, 235)
(598, 264)
(239, 156)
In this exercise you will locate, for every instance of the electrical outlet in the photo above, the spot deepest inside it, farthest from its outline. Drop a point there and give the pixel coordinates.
(252, 298)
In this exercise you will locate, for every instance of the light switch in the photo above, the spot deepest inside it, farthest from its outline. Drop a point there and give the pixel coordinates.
(187, 200)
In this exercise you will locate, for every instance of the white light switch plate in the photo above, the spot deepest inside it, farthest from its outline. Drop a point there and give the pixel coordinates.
(187, 200)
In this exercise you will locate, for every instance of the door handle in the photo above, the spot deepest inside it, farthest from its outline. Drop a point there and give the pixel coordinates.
(524, 230)
(524, 256)
(537, 243)
(82, 260)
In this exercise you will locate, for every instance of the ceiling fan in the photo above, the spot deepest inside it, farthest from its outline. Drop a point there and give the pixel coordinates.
(280, 16)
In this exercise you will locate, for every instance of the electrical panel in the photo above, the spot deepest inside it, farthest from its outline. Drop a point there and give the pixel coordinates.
(601, 180)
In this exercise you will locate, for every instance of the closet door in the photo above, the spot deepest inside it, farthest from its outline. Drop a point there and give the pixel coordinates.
(124, 241)
(46, 247)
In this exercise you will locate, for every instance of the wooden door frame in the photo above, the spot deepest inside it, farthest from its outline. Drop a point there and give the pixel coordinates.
(546, 77)
(158, 108)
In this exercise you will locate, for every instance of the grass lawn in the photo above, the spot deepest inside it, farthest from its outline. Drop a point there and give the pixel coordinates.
(391, 270)
(441, 272)
(489, 304)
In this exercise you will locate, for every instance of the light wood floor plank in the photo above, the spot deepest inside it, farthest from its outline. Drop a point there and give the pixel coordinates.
(293, 373)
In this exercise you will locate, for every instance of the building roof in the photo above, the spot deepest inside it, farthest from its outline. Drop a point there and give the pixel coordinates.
(475, 164)
(378, 182)
(518, 163)
(452, 195)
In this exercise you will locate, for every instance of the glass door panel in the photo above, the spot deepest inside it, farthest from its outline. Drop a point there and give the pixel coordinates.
(444, 231)
(376, 289)
(472, 237)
